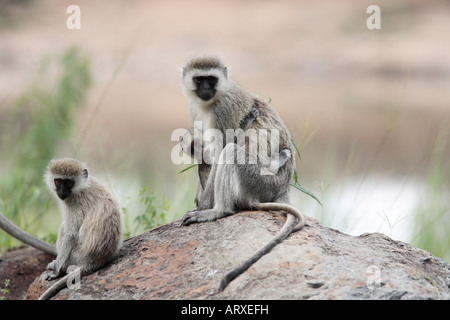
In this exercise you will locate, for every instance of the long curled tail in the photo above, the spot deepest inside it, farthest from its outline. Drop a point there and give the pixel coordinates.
(290, 226)
(62, 283)
(55, 288)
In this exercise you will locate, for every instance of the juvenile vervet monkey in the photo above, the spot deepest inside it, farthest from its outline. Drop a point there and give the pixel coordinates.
(216, 102)
(90, 234)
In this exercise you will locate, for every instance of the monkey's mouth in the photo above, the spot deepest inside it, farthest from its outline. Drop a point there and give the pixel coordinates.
(63, 196)
(205, 95)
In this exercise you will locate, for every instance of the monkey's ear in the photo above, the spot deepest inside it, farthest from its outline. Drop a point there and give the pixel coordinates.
(225, 72)
(85, 173)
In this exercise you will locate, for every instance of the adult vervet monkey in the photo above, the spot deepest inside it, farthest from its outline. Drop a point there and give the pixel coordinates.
(218, 105)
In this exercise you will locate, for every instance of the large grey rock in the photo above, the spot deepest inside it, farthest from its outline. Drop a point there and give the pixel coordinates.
(173, 262)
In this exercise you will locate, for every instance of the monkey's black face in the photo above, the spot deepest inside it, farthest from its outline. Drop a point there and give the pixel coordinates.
(64, 187)
(206, 86)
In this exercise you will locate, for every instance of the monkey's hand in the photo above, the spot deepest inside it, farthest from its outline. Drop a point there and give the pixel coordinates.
(254, 113)
(276, 163)
(208, 153)
(192, 145)
(196, 215)
(186, 142)
(284, 156)
(249, 118)
(56, 270)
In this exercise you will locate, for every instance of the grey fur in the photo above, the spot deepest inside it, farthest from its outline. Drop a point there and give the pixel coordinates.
(205, 63)
(90, 234)
(194, 149)
(234, 187)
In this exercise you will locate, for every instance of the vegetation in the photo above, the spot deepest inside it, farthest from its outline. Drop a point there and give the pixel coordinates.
(4, 289)
(39, 120)
(432, 216)
(154, 213)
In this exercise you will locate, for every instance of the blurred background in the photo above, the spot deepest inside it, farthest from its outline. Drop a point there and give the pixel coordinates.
(368, 109)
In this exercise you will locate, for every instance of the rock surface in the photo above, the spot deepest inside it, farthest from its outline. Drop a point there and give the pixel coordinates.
(173, 262)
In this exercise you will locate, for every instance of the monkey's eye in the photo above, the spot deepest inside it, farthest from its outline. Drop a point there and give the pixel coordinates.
(58, 182)
(68, 183)
(212, 80)
(198, 80)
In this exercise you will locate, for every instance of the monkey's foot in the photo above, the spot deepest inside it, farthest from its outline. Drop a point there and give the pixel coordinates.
(51, 276)
(189, 217)
(284, 156)
(198, 215)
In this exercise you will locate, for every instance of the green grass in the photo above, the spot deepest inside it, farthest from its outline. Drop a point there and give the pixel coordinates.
(432, 216)
(4, 289)
(154, 211)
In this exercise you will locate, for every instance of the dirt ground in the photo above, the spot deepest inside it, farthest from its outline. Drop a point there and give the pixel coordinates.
(21, 267)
